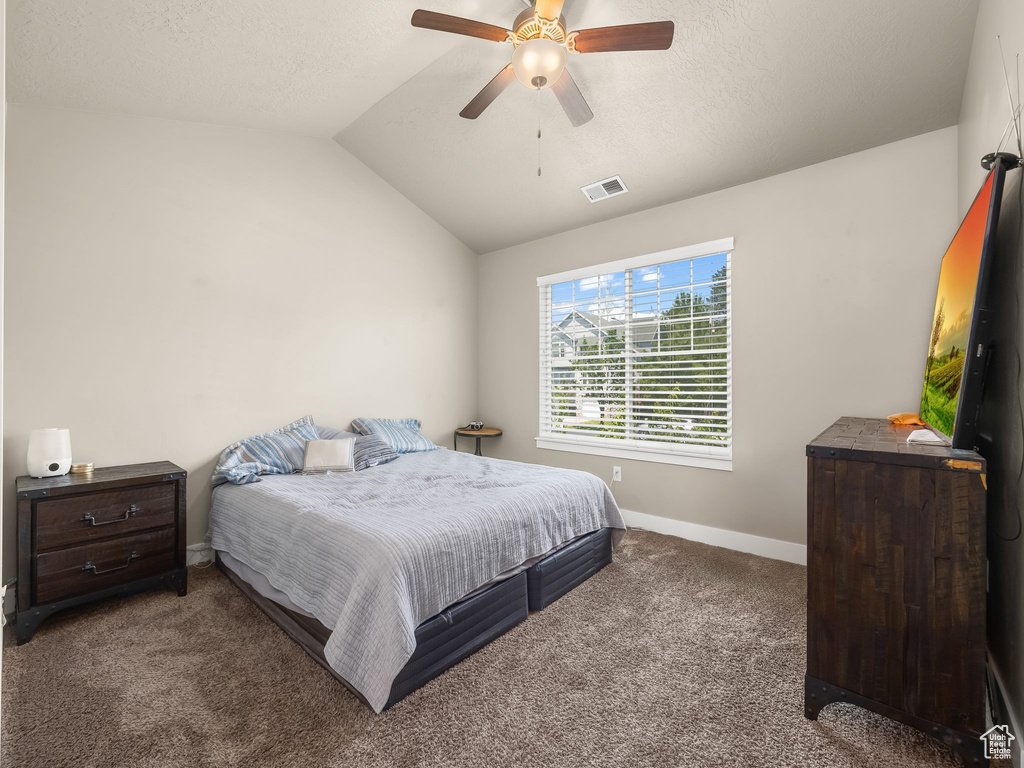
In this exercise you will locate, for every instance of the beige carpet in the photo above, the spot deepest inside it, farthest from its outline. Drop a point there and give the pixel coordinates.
(677, 654)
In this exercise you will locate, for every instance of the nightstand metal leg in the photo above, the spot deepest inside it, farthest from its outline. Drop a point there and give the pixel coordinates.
(179, 581)
(478, 451)
(26, 624)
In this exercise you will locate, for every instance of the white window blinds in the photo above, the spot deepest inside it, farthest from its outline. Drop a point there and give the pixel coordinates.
(636, 360)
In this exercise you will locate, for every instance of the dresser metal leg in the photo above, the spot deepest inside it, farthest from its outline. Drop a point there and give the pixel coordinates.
(814, 701)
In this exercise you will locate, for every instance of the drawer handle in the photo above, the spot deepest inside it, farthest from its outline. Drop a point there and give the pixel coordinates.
(90, 567)
(130, 512)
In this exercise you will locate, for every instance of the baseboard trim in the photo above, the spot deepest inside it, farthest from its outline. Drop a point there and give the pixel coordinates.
(718, 537)
(1007, 705)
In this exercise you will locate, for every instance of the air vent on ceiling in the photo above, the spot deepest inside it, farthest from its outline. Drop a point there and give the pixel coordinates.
(602, 190)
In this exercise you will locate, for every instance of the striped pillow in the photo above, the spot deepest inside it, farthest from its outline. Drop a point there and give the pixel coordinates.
(372, 451)
(279, 452)
(401, 434)
(330, 433)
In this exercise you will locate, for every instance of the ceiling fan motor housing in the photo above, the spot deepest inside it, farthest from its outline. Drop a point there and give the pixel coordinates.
(529, 26)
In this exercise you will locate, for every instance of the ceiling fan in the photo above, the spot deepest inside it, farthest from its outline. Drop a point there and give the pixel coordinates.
(541, 43)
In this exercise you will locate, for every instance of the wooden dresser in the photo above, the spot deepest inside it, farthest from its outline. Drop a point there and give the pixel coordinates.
(896, 580)
(116, 531)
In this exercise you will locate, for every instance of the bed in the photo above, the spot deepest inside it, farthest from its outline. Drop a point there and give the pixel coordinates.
(390, 575)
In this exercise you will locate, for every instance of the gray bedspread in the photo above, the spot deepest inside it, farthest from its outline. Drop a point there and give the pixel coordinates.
(375, 553)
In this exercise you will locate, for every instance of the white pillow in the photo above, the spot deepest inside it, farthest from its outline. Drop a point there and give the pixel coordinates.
(329, 456)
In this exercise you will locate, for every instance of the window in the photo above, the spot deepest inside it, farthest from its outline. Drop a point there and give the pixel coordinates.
(636, 358)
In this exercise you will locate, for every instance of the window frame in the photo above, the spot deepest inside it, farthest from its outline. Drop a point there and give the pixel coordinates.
(692, 455)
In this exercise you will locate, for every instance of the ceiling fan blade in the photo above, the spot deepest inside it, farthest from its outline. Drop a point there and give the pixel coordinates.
(458, 26)
(572, 101)
(653, 36)
(490, 92)
(549, 9)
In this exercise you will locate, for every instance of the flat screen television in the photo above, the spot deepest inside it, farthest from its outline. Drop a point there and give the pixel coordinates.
(961, 329)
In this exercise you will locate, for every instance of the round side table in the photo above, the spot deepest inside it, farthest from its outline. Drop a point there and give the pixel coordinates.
(477, 433)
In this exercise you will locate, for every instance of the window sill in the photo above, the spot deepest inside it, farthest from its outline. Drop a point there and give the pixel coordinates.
(699, 460)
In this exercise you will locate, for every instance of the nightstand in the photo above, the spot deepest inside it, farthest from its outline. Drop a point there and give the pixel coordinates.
(477, 433)
(115, 531)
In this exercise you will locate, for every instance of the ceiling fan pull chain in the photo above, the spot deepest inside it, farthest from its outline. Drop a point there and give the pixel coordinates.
(538, 132)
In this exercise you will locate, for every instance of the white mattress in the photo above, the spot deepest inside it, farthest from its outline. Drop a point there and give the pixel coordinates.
(260, 583)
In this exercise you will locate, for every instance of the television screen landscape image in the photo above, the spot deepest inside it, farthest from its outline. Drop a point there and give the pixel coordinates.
(954, 317)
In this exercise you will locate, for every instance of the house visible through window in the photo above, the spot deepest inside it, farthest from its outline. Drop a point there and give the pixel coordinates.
(635, 358)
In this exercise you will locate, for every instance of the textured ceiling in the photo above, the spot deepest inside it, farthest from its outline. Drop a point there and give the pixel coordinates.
(305, 66)
(750, 88)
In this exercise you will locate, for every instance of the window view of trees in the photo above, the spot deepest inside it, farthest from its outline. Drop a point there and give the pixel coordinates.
(643, 355)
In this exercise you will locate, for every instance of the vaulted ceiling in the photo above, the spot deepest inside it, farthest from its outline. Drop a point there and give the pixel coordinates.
(750, 88)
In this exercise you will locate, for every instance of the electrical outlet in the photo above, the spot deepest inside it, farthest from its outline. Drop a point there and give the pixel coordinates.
(616, 474)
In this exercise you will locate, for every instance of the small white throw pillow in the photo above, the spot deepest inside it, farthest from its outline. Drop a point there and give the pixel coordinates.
(329, 456)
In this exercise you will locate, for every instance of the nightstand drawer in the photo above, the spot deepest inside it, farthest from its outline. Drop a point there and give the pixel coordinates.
(91, 567)
(80, 519)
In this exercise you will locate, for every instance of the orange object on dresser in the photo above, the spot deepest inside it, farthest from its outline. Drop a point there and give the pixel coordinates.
(910, 419)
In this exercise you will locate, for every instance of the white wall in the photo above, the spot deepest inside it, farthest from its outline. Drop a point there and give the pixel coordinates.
(173, 287)
(984, 115)
(985, 110)
(3, 131)
(834, 277)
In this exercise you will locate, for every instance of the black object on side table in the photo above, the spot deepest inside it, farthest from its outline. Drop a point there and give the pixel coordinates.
(114, 531)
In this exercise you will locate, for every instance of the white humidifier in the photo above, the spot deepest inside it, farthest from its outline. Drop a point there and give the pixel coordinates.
(49, 452)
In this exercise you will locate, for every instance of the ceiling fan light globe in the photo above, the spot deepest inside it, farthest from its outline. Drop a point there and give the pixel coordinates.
(538, 63)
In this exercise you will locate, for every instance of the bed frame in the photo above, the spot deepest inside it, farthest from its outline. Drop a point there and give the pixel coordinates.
(463, 628)
(567, 568)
